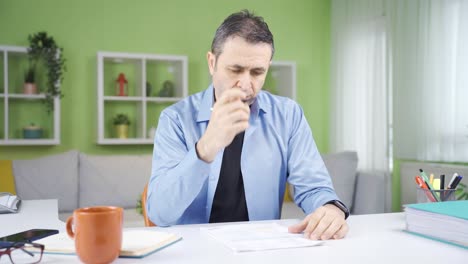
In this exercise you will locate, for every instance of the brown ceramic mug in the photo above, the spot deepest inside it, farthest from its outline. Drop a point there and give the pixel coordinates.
(97, 232)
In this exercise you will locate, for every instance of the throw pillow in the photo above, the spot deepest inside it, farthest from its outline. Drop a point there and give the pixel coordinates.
(116, 180)
(51, 177)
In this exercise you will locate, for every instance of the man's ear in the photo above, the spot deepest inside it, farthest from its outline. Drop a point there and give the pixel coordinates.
(211, 58)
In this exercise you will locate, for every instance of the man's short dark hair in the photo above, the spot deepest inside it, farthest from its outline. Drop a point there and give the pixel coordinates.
(246, 25)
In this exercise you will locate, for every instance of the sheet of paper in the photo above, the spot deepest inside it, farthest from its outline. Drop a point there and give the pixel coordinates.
(256, 237)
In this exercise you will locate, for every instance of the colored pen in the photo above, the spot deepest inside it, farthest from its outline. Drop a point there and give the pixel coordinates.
(442, 187)
(423, 185)
(452, 180)
(442, 181)
(456, 182)
(426, 179)
(419, 181)
(423, 175)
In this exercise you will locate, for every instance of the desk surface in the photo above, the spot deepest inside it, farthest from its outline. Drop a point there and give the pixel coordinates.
(374, 238)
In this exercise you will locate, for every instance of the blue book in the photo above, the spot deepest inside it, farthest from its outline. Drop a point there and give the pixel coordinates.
(442, 221)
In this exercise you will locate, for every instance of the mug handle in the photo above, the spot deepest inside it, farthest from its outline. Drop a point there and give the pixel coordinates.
(69, 227)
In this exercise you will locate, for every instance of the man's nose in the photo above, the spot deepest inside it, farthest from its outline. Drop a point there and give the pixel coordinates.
(244, 82)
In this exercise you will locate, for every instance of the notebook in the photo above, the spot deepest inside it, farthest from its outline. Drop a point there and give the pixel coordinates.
(135, 243)
(442, 221)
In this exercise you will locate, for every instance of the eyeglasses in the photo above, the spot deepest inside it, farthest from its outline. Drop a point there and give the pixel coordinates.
(21, 253)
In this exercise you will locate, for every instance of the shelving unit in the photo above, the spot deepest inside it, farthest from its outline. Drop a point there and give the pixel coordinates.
(141, 105)
(281, 79)
(18, 109)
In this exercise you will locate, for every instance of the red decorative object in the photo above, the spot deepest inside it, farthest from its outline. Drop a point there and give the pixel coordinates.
(121, 85)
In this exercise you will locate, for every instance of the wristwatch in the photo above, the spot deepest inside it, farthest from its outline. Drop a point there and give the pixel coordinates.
(340, 205)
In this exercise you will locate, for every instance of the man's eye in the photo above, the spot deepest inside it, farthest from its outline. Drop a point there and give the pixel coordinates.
(257, 73)
(236, 71)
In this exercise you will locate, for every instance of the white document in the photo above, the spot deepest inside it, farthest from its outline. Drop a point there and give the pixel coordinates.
(256, 237)
(9, 203)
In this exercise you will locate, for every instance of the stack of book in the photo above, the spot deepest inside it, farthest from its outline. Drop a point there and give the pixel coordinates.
(444, 221)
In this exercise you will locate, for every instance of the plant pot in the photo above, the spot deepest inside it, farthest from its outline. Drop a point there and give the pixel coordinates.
(32, 132)
(30, 88)
(121, 131)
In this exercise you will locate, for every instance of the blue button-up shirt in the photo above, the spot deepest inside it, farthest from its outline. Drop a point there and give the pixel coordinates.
(278, 147)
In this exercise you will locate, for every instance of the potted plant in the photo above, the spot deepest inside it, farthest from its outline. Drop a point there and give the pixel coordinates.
(167, 90)
(32, 131)
(462, 192)
(121, 123)
(44, 49)
(30, 81)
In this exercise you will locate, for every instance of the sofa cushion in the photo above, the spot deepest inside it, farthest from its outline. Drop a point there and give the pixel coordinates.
(51, 177)
(342, 167)
(113, 180)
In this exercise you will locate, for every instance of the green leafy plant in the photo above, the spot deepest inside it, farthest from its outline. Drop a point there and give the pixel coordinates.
(462, 192)
(30, 75)
(121, 119)
(139, 206)
(43, 48)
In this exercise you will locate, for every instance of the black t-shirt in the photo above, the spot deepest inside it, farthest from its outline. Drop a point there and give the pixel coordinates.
(229, 203)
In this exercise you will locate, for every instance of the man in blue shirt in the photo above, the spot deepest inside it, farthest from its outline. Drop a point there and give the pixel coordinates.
(226, 153)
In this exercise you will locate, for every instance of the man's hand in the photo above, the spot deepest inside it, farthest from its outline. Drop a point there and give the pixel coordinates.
(327, 222)
(229, 117)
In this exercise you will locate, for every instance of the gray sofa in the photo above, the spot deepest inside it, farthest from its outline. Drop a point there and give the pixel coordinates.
(80, 180)
(363, 192)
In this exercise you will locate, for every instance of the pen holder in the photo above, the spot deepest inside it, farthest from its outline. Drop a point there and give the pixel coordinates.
(426, 196)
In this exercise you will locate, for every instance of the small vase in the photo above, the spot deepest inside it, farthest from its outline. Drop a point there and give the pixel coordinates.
(121, 131)
(32, 132)
(30, 88)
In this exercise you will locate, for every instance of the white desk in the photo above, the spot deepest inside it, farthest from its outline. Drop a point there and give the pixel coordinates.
(372, 239)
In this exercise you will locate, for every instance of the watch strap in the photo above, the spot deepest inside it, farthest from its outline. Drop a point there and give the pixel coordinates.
(341, 206)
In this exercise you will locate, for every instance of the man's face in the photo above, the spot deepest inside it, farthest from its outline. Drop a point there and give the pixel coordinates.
(241, 65)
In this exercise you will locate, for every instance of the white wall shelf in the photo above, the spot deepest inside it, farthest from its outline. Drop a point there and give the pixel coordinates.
(281, 79)
(18, 110)
(141, 104)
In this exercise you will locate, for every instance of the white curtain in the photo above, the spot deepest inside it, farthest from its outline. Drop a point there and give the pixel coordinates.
(430, 73)
(359, 94)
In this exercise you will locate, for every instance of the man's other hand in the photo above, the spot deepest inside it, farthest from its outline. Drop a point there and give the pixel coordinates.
(327, 222)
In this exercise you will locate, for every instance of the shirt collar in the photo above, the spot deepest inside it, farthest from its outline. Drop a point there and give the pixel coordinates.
(204, 112)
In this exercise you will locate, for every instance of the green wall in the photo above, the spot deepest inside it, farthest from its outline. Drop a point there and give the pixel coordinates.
(301, 29)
